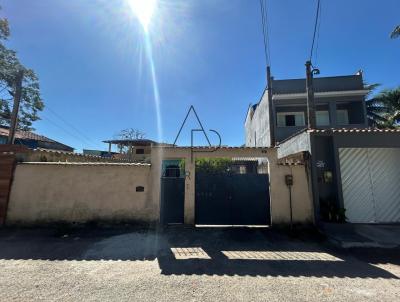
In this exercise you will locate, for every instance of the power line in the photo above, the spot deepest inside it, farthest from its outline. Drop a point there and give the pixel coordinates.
(66, 131)
(315, 28)
(265, 30)
(318, 32)
(70, 125)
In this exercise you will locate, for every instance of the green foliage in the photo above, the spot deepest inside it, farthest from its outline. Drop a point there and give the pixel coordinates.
(390, 98)
(396, 32)
(31, 101)
(383, 110)
(331, 212)
(213, 165)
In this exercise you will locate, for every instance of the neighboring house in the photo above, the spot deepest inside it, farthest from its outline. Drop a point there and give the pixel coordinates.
(33, 140)
(138, 150)
(340, 102)
(352, 167)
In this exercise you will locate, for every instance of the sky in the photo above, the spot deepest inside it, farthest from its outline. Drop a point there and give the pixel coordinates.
(101, 72)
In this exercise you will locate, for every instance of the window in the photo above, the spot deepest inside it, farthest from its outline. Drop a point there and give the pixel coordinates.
(290, 119)
(342, 117)
(322, 118)
(139, 151)
(172, 171)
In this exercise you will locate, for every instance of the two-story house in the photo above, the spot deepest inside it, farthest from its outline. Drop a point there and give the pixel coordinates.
(352, 166)
(340, 103)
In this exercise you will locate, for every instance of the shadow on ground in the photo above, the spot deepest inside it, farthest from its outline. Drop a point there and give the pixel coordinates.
(189, 251)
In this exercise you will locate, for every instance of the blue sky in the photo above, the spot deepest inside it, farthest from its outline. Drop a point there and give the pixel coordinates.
(95, 71)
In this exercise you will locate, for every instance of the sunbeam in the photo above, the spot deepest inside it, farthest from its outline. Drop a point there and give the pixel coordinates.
(143, 10)
(149, 53)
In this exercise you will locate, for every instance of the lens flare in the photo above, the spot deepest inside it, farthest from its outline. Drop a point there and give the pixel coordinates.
(149, 51)
(143, 10)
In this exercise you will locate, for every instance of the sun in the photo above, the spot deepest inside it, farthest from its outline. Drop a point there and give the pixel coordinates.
(143, 10)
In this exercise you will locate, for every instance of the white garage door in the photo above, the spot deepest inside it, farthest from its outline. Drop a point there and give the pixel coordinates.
(371, 184)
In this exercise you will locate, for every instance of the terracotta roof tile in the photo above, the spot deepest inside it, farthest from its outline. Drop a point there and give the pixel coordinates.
(354, 130)
(26, 135)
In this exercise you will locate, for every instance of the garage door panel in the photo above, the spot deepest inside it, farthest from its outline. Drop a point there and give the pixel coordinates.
(356, 185)
(385, 174)
(370, 184)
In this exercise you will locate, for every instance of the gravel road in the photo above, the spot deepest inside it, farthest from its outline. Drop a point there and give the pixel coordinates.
(182, 264)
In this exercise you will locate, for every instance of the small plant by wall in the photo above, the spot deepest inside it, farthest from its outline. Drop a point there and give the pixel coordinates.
(331, 212)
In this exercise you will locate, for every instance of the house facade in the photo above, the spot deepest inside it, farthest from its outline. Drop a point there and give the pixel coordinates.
(340, 103)
(137, 150)
(32, 140)
(354, 169)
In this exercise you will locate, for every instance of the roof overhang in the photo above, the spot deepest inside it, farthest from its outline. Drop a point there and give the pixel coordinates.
(326, 94)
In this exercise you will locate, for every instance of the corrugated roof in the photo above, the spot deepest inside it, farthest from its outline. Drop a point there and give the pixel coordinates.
(133, 142)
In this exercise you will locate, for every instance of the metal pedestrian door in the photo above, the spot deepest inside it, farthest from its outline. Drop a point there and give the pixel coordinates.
(232, 199)
(172, 200)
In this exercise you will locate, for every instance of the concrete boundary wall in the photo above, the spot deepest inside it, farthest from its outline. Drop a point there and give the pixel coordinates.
(107, 192)
(303, 212)
(81, 192)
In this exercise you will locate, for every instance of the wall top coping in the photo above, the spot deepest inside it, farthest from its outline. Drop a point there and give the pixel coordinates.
(85, 164)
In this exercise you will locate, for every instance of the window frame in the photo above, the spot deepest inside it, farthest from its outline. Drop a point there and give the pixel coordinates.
(316, 117)
(337, 119)
(284, 113)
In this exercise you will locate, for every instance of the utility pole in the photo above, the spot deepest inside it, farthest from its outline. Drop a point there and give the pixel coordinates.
(310, 97)
(270, 105)
(17, 99)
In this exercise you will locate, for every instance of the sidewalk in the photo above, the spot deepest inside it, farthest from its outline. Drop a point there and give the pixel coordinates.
(349, 235)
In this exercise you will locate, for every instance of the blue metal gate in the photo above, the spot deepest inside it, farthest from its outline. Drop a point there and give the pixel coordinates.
(232, 199)
(172, 200)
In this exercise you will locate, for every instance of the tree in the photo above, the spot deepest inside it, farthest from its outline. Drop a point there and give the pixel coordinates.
(383, 110)
(375, 109)
(131, 134)
(396, 32)
(390, 99)
(31, 102)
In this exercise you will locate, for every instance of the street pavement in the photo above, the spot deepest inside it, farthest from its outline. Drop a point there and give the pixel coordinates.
(190, 264)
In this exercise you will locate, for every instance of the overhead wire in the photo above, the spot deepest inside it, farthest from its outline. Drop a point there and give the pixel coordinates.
(318, 32)
(46, 118)
(70, 125)
(315, 28)
(265, 31)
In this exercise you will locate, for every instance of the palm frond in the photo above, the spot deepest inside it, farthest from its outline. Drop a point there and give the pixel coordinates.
(395, 33)
(376, 117)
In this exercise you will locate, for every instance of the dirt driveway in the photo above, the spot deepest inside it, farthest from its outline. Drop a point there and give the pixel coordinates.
(181, 264)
